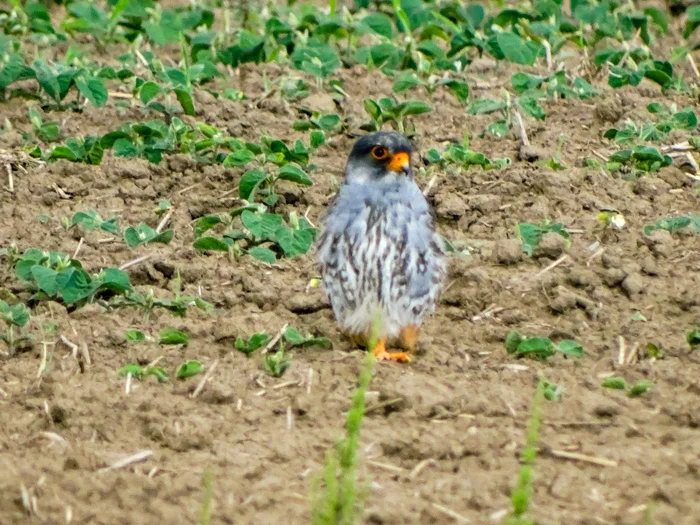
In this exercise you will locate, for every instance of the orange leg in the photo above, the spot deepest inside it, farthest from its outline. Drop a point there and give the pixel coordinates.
(382, 355)
(409, 337)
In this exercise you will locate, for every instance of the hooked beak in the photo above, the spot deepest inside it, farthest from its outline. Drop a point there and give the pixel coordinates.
(400, 163)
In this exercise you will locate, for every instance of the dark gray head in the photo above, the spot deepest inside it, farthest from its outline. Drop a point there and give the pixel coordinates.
(384, 155)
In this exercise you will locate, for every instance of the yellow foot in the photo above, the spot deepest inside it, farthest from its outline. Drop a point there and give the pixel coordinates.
(382, 355)
(409, 337)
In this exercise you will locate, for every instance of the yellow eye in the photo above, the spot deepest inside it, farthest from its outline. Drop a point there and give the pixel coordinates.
(380, 153)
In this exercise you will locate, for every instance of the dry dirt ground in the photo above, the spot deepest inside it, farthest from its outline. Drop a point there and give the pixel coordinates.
(450, 447)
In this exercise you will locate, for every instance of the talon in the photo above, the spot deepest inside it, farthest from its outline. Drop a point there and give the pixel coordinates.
(382, 355)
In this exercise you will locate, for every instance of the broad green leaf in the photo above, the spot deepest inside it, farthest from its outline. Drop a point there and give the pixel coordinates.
(250, 181)
(293, 174)
(616, 383)
(93, 89)
(136, 371)
(189, 369)
(261, 225)
(517, 50)
(263, 254)
(640, 388)
(211, 244)
(482, 106)
(570, 348)
(135, 335)
(170, 336)
(149, 91)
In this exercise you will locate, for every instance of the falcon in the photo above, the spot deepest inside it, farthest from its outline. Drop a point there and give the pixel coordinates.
(380, 256)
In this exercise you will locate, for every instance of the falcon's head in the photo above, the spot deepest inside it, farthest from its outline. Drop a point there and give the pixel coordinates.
(380, 156)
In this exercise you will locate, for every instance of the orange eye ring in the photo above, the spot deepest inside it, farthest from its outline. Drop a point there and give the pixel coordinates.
(380, 152)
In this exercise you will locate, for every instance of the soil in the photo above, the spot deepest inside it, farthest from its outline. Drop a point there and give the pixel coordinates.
(446, 448)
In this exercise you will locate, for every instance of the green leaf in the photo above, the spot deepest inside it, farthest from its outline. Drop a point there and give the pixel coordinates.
(170, 336)
(261, 225)
(513, 340)
(136, 371)
(149, 91)
(93, 89)
(189, 369)
(157, 371)
(459, 88)
(16, 315)
(204, 224)
(517, 50)
(135, 335)
(378, 23)
(570, 348)
(250, 181)
(263, 254)
(531, 107)
(211, 244)
(293, 174)
(640, 388)
(405, 81)
(693, 338)
(185, 99)
(294, 242)
(538, 347)
(317, 139)
(616, 383)
(482, 106)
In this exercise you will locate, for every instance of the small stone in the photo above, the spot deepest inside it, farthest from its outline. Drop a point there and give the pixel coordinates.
(321, 102)
(651, 187)
(450, 206)
(529, 154)
(608, 110)
(507, 251)
(552, 245)
(633, 284)
(606, 410)
(613, 276)
(303, 303)
(49, 198)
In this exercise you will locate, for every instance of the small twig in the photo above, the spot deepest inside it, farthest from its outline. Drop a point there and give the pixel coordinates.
(134, 262)
(523, 131)
(550, 266)
(693, 65)
(290, 418)
(77, 250)
(633, 354)
(127, 385)
(164, 221)
(285, 384)
(419, 468)
(188, 188)
(204, 380)
(603, 462)
(73, 346)
(383, 404)
(451, 513)
(131, 460)
(621, 351)
(274, 340)
(85, 353)
(547, 54)
(141, 58)
(599, 155)
(430, 185)
(681, 146)
(10, 179)
(386, 466)
(308, 382)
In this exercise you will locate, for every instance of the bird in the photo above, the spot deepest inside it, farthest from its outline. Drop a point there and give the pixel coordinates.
(380, 256)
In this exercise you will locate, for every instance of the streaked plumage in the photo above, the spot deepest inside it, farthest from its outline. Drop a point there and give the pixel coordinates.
(379, 250)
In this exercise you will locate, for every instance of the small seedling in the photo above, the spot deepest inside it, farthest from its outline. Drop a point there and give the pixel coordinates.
(521, 497)
(390, 110)
(91, 220)
(640, 388)
(674, 224)
(189, 369)
(541, 348)
(654, 351)
(294, 338)
(693, 338)
(531, 234)
(619, 383)
(277, 364)
(142, 234)
(251, 345)
(138, 372)
(15, 317)
(552, 392)
(615, 383)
